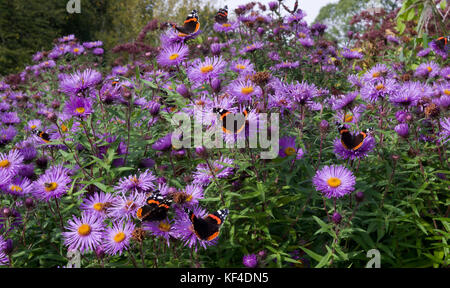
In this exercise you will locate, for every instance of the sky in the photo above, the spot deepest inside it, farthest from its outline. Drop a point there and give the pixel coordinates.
(311, 7)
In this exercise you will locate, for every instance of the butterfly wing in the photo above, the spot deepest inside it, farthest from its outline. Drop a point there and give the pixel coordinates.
(208, 228)
(155, 209)
(190, 26)
(222, 16)
(346, 137)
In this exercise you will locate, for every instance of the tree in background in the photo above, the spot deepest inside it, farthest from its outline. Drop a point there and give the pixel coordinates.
(337, 16)
(30, 26)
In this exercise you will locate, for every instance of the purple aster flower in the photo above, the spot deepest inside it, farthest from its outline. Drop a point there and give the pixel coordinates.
(244, 90)
(192, 193)
(201, 71)
(402, 130)
(288, 148)
(125, 207)
(287, 65)
(445, 129)
(303, 93)
(306, 42)
(47, 64)
(424, 52)
(408, 95)
(85, 233)
(344, 101)
(53, 184)
(242, 66)
(252, 47)
(401, 116)
(393, 39)
(226, 27)
(7, 134)
(203, 176)
(10, 118)
(143, 183)
(427, 70)
(98, 51)
(173, 55)
(79, 82)
(77, 50)
(67, 38)
(34, 124)
(334, 181)
(98, 204)
(163, 229)
(119, 70)
(18, 186)
(373, 91)
(360, 153)
(38, 56)
(273, 5)
(250, 260)
(78, 106)
(117, 238)
(185, 230)
(4, 260)
(378, 73)
(445, 73)
(10, 164)
(164, 143)
(351, 54)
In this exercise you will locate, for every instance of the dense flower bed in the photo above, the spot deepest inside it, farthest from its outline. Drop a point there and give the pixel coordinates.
(84, 147)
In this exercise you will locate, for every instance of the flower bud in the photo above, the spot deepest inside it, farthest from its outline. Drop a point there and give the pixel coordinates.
(359, 196)
(336, 218)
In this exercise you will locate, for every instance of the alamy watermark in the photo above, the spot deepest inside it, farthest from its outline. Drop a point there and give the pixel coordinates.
(73, 6)
(375, 262)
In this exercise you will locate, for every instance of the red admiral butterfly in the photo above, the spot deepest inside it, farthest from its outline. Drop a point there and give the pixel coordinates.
(191, 25)
(44, 136)
(208, 228)
(155, 209)
(352, 142)
(442, 42)
(222, 16)
(115, 81)
(223, 117)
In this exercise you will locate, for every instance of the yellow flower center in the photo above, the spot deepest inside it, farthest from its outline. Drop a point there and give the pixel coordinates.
(173, 56)
(240, 66)
(206, 69)
(189, 198)
(50, 186)
(376, 74)
(200, 103)
(80, 110)
(135, 180)
(429, 69)
(447, 92)
(379, 87)
(301, 35)
(84, 230)
(164, 226)
(76, 50)
(334, 182)
(247, 90)
(4, 163)
(15, 188)
(46, 62)
(348, 118)
(119, 237)
(226, 25)
(289, 151)
(33, 127)
(98, 206)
